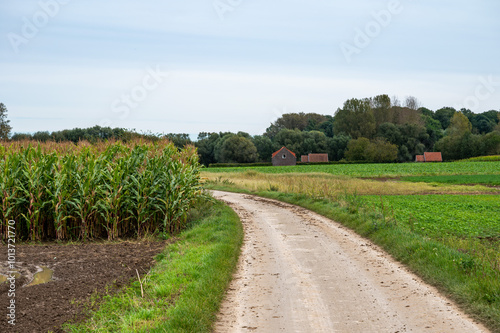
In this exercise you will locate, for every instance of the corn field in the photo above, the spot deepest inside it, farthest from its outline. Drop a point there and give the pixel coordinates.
(68, 192)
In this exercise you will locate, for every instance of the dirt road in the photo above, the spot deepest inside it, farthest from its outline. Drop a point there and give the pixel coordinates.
(301, 272)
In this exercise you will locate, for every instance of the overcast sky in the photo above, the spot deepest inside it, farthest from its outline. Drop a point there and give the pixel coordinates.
(236, 65)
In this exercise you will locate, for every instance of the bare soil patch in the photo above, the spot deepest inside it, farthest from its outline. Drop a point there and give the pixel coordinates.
(79, 271)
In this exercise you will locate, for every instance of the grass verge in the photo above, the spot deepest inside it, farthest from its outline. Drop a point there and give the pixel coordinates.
(457, 274)
(493, 180)
(183, 292)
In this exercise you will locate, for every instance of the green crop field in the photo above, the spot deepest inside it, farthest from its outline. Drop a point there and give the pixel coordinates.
(492, 180)
(379, 170)
(438, 215)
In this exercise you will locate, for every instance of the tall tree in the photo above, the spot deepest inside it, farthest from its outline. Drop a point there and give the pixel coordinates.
(434, 130)
(497, 127)
(412, 102)
(265, 147)
(337, 147)
(180, 140)
(206, 147)
(444, 116)
(459, 141)
(356, 149)
(235, 149)
(381, 106)
(292, 139)
(5, 128)
(301, 121)
(355, 119)
(459, 125)
(315, 142)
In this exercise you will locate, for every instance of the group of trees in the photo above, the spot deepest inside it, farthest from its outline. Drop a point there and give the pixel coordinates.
(377, 129)
(92, 134)
(464, 140)
(374, 129)
(242, 148)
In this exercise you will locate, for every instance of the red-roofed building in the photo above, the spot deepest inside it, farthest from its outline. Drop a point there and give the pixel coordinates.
(429, 157)
(314, 158)
(284, 157)
(433, 157)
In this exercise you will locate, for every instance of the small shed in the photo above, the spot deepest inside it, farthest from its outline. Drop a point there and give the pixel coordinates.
(284, 157)
(433, 157)
(314, 158)
(429, 157)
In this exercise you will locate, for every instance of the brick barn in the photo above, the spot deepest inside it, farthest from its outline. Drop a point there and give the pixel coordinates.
(314, 158)
(284, 157)
(429, 157)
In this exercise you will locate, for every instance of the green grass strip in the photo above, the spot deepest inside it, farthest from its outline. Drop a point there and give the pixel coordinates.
(379, 170)
(184, 290)
(493, 180)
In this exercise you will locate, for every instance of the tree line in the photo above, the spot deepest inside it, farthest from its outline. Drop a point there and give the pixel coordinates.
(376, 129)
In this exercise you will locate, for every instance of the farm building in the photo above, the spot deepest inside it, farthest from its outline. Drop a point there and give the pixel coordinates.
(429, 157)
(284, 157)
(314, 158)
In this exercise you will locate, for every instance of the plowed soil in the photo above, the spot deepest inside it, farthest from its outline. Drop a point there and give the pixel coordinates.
(80, 271)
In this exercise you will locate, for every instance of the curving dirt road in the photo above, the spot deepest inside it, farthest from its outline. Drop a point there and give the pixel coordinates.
(301, 272)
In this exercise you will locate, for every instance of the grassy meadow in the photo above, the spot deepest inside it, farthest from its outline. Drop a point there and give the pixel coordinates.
(442, 219)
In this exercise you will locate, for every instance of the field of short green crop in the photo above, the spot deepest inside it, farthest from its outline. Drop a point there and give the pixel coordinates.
(439, 215)
(492, 180)
(380, 170)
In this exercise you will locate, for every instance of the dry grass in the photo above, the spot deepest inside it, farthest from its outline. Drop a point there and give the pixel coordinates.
(321, 185)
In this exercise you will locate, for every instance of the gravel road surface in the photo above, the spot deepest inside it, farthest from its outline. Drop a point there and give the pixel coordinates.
(301, 272)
